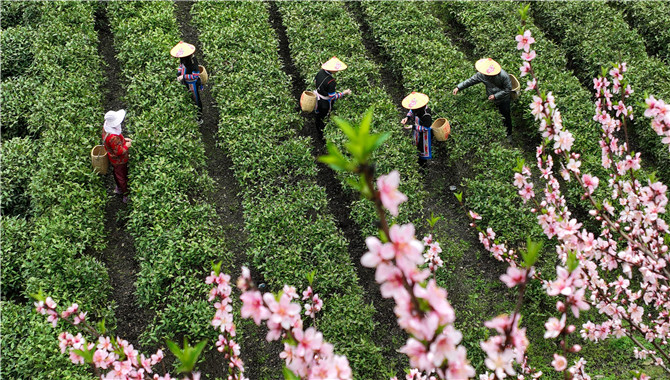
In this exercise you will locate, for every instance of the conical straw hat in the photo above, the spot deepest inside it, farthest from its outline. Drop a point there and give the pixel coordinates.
(334, 64)
(487, 66)
(415, 100)
(182, 49)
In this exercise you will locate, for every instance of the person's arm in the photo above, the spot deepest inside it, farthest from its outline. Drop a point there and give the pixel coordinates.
(469, 82)
(192, 76)
(332, 94)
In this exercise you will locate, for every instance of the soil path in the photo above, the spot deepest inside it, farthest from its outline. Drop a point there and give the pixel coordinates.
(119, 256)
(229, 210)
(388, 333)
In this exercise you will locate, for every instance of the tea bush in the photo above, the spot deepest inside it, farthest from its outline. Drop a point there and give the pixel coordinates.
(18, 165)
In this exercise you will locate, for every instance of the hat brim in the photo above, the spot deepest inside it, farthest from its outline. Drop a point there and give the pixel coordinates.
(488, 66)
(182, 49)
(119, 117)
(415, 100)
(334, 64)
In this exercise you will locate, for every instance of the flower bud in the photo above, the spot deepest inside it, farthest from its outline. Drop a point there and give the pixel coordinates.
(570, 329)
(560, 306)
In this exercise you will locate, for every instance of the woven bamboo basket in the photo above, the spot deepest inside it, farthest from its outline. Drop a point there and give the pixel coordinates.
(204, 77)
(441, 129)
(308, 101)
(99, 159)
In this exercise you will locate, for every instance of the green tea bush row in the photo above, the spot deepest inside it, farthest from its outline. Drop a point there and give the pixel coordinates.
(49, 252)
(593, 35)
(290, 230)
(476, 127)
(176, 233)
(652, 20)
(67, 197)
(319, 30)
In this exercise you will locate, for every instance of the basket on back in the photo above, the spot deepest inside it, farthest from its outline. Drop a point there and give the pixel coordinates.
(204, 77)
(308, 101)
(99, 159)
(441, 129)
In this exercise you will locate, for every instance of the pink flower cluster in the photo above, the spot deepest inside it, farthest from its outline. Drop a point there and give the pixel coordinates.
(660, 112)
(223, 320)
(433, 345)
(305, 352)
(116, 355)
(432, 255)
(314, 304)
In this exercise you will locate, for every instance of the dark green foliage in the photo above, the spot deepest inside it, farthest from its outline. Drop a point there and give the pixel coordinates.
(16, 233)
(19, 162)
(18, 99)
(17, 13)
(30, 347)
(17, 55)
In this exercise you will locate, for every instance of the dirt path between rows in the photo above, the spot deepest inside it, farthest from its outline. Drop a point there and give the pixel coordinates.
(229, 210)
(119, 256)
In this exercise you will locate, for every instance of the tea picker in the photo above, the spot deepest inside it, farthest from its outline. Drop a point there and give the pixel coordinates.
(325, 92)
(117, 150)
(420, 120)
(498, 86)
(192, 75)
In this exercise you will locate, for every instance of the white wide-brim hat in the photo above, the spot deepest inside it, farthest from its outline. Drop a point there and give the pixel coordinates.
(334, 64)
(113, 120)
(415, 100)
(488, 66)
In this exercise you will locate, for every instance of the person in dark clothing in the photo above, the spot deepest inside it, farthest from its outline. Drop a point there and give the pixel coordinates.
(325, 90)
(188, 72)
(420, 120)
(498, 87)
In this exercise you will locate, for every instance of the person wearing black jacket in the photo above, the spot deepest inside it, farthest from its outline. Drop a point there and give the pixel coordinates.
(498, 87)
(325, 90)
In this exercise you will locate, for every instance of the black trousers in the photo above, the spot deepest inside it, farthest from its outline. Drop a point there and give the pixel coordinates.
(505, 110)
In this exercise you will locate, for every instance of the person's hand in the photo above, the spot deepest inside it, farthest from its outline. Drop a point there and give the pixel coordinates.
(129, 143)
(127, 139)
(491, 97)
(346, 92)
(180, 78)
(403, 121)
(455, 91)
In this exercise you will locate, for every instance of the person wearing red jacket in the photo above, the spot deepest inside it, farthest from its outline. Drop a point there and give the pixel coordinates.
(117, 150)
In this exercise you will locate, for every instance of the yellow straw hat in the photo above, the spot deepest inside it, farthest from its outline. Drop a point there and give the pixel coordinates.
(415, 100)
(182, 49)
(487, 66)
(334, 64)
